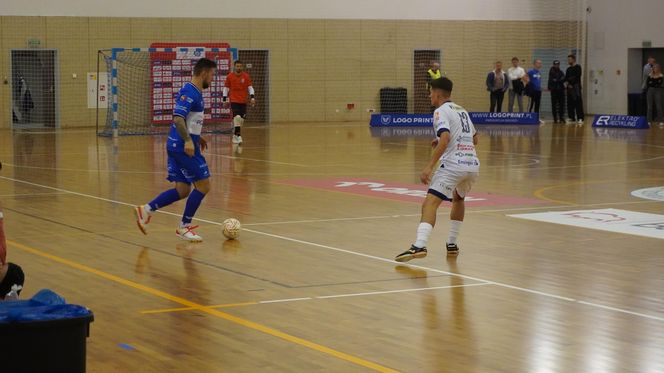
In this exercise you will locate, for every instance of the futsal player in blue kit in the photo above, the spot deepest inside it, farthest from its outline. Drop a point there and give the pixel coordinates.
(186, 164)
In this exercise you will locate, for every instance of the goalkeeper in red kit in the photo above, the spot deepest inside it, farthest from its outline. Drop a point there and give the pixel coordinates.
(238, 87)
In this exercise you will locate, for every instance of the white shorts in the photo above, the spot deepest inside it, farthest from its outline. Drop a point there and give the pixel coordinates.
(444, 182)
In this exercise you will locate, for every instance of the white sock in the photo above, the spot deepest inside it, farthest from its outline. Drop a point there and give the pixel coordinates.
(423, 233)
(147, 209)
(455, 227)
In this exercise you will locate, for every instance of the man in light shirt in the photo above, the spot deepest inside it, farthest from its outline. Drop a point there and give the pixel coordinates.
(516, 75)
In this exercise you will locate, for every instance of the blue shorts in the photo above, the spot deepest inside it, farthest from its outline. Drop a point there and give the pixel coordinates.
(185, 169)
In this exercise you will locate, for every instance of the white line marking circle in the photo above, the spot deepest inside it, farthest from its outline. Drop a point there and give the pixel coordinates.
(654, 194)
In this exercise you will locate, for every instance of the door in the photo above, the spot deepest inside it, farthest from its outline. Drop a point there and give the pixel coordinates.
(34, 88)
(257, 64)
(422, 60)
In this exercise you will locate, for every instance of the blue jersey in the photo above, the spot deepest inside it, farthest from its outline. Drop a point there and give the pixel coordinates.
(188, 105)
(535, 79)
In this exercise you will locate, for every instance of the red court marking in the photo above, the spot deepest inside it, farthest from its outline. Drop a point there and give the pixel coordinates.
(403, 192)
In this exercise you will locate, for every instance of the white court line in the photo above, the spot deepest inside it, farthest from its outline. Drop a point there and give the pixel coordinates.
(444, 213)
(401, 291)
(32, 194)
(65, 191)
(322, 220)
(259, 160)
(391, 261)
(284, 300)
(368, 256)
(72, 192)
(89, 170)
(620, 310)
(520, 168)
(483, 281)
(371, 293)
(617, 163)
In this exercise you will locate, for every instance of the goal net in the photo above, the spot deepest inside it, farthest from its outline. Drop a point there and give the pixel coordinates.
(143, 83)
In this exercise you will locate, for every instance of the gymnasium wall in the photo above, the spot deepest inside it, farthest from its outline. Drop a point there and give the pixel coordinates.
(614, 26)
(512, 10)
(317, 65)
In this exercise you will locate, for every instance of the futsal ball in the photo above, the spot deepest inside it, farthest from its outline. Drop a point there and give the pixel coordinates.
(232, 228)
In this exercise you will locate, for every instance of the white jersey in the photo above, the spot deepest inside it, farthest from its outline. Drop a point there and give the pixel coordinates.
(460, 154)
(515, 73)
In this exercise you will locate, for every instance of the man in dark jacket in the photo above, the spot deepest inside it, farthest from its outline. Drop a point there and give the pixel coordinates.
(497, 83)
(557, 88)
(574, 96)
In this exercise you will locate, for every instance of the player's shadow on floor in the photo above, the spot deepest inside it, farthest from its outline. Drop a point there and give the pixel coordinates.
(410, 272)
(417, 273)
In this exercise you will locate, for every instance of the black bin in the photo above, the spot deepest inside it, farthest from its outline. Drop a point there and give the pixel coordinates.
(45, 346)
(393, 100)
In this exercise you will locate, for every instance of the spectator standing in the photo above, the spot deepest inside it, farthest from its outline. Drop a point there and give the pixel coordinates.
(574, 95)
(655, 96)
(535, 87)
(497, 83)
(557, 88)
(516, 76)
(647, 69)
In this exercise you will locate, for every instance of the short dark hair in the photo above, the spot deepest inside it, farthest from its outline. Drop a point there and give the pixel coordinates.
(515, 58)
(237, 61)
(572, 56)
(204, 64)
(443, 84)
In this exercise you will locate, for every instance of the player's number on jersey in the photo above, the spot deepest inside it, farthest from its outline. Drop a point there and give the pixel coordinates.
(465, 122)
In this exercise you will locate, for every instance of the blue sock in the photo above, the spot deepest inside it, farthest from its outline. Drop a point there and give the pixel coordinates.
(194, 200)
(164, 199)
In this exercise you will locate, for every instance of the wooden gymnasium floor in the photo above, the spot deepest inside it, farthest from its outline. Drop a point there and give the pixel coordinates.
(311, 285)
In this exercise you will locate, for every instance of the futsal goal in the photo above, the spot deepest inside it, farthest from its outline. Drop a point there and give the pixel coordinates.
(143, 83)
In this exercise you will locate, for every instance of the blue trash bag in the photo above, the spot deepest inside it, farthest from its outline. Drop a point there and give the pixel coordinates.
(45, 305)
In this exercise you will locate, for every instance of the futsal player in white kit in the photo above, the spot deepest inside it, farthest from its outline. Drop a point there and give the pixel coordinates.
(451, 172)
